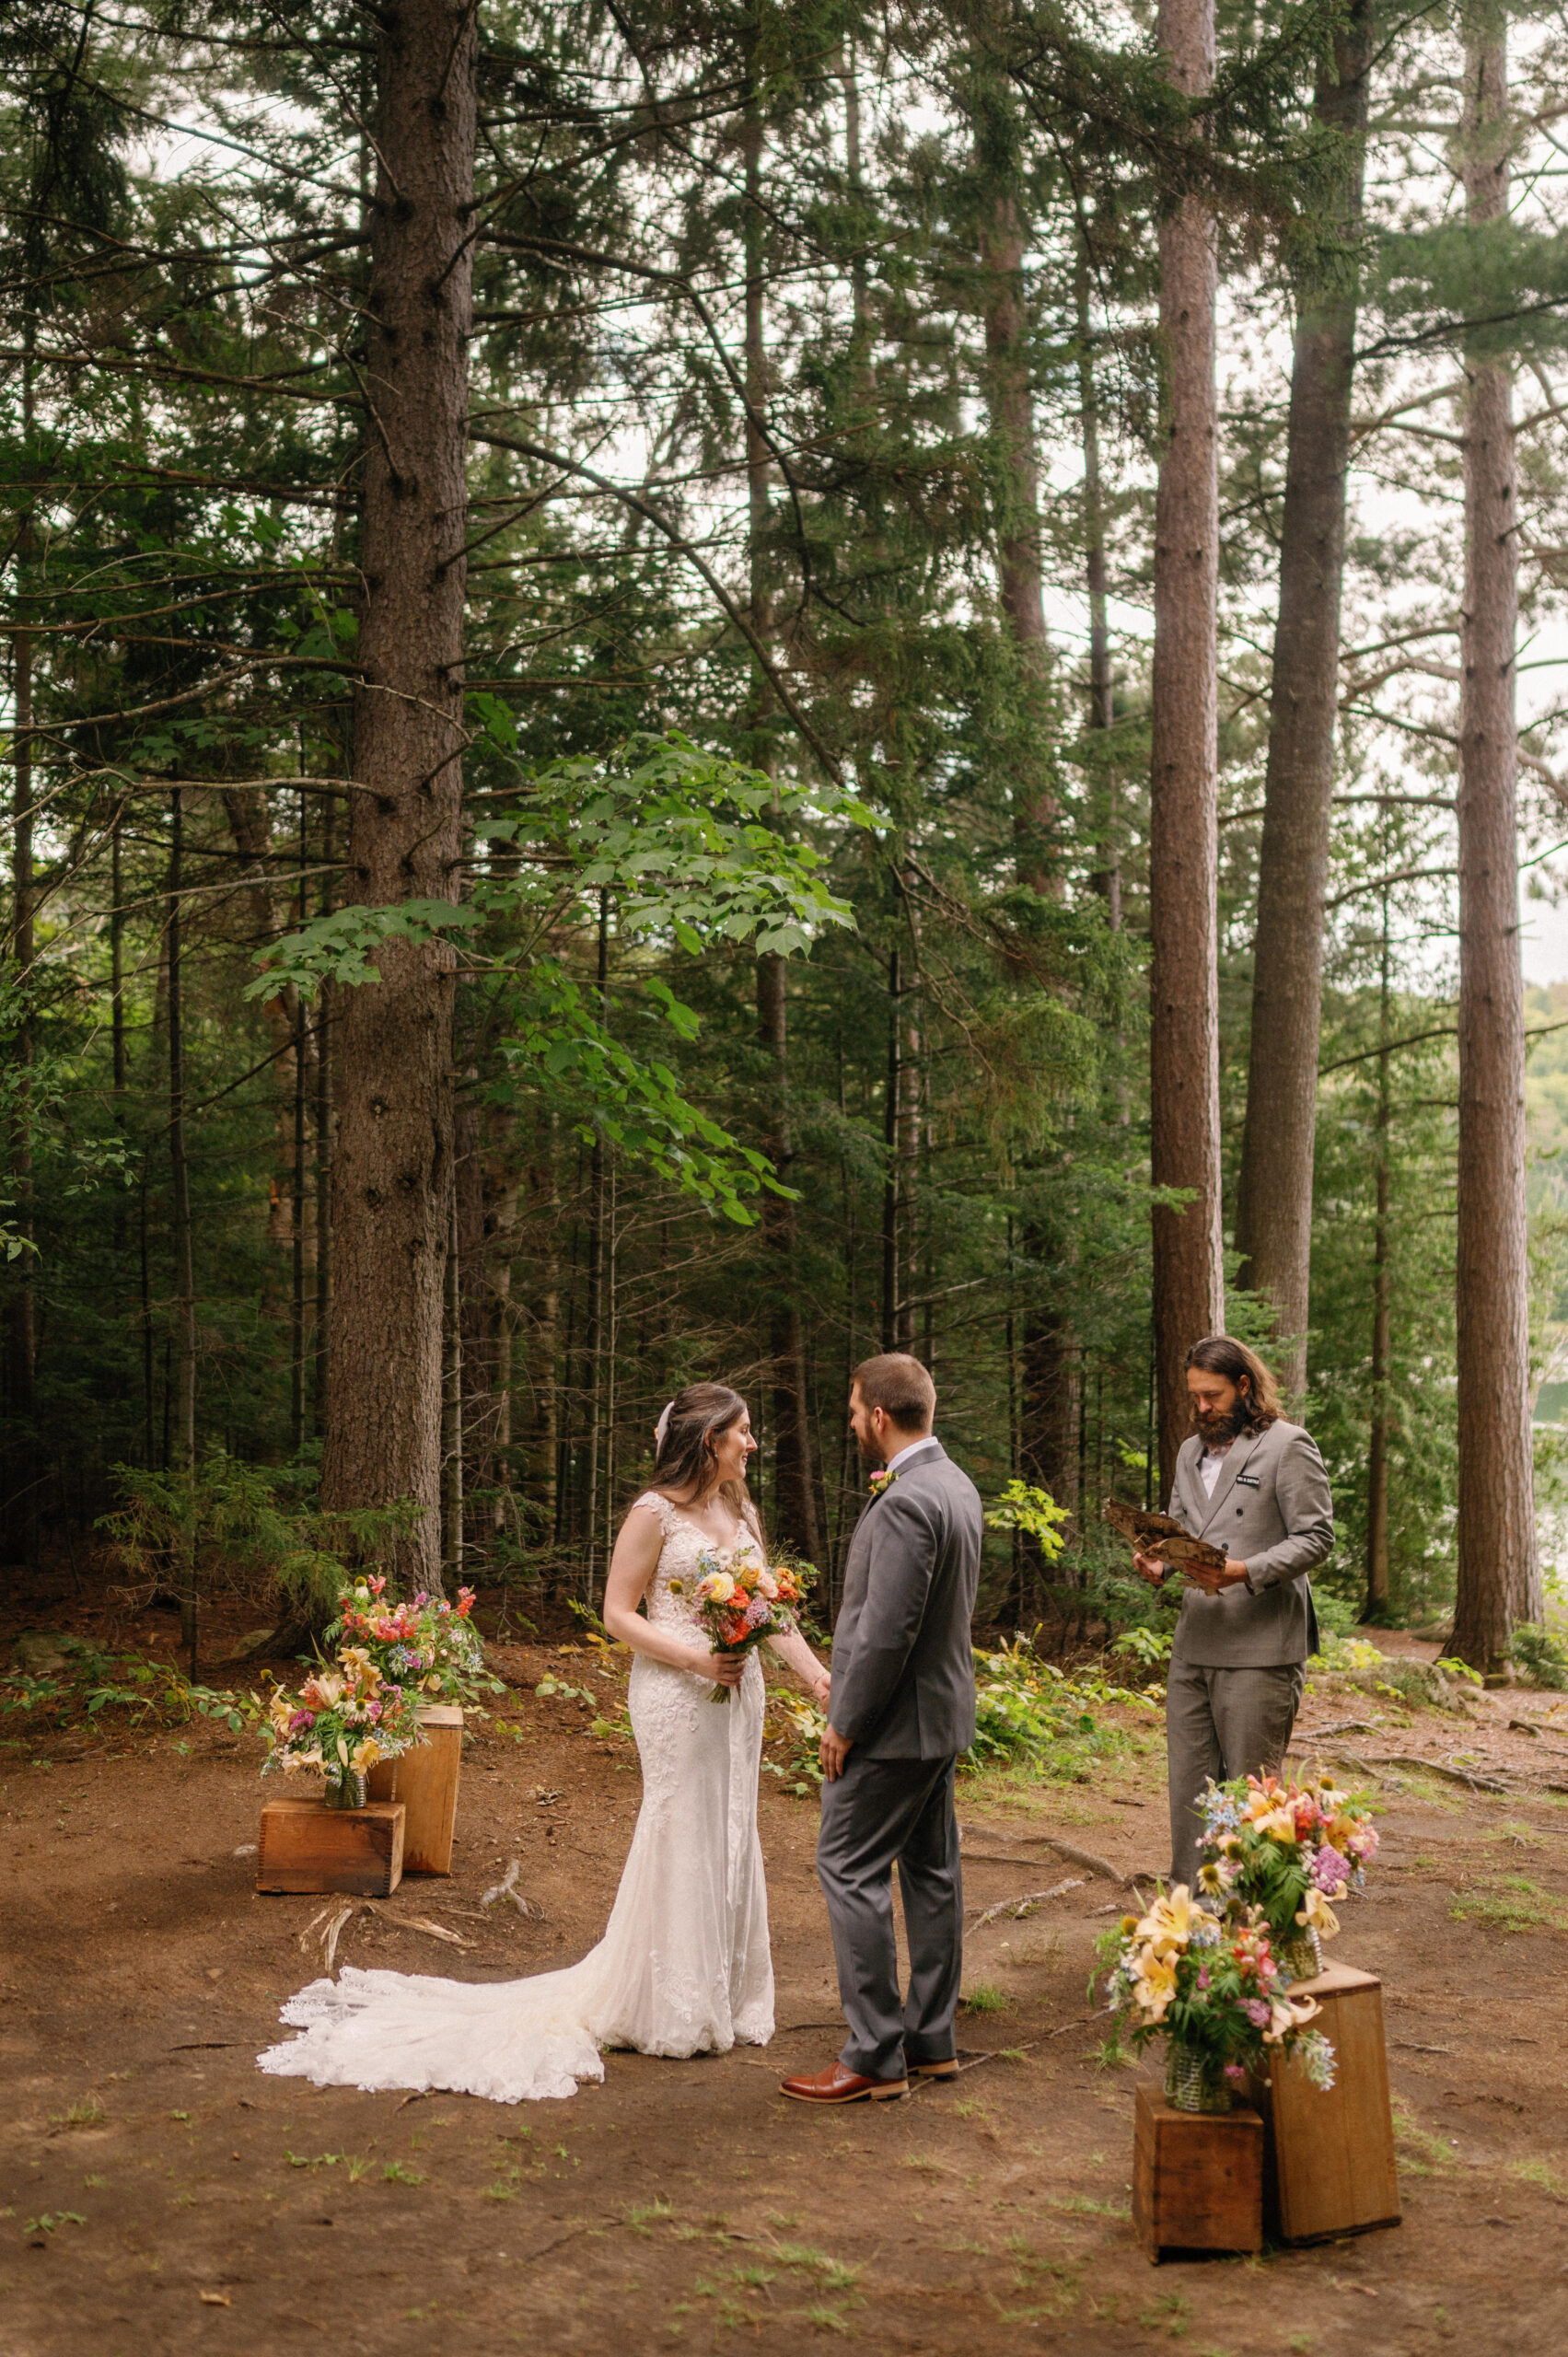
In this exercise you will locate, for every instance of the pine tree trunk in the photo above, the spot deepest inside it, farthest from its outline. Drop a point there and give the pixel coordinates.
(794, 1485)
(184, 1453)
(1009, 396)
(1106, 878)
(1377, 1609)
(22, 1470)
(1184, 1099)
(1499, 1571)
(392, 1161)
(1273, 1213)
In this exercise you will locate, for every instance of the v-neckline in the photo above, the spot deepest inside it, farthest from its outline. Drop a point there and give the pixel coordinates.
(693, 1524)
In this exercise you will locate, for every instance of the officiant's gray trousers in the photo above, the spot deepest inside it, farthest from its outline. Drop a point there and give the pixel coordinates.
(1222, 1722)
(879, 1814)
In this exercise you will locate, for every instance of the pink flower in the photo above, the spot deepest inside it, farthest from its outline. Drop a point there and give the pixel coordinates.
(1257, 2012)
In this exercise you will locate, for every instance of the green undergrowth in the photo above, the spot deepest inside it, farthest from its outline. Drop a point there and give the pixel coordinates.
(119, 1693)
(1032, 1719)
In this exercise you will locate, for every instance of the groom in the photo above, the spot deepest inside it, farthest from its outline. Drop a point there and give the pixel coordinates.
(902, 1710)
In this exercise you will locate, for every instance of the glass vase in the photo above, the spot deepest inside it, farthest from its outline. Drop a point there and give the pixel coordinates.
(1195, 2080)
(1299, 1958)
(346, 1791)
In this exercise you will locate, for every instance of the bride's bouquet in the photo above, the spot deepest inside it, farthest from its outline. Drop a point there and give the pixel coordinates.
(740, 1600)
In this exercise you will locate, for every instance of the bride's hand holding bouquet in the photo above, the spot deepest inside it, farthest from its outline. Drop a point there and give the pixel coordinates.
(740, 1601)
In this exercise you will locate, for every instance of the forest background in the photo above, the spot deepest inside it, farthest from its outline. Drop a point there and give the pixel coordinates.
(593, 798)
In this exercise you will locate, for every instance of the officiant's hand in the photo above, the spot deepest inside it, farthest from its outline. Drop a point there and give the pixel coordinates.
(834, 1751)
(1152, 1568)
(1211, 1582)
(725, 1669)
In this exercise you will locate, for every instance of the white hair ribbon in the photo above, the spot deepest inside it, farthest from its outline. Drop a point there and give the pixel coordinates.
(662, 1427)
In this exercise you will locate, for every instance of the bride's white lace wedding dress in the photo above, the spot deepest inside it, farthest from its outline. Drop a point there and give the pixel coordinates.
(684, 1965)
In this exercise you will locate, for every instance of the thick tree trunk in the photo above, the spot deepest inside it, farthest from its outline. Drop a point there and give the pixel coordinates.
(392, 1162)
(1184, 1090)
(1274, 1212)
(1499, 1571)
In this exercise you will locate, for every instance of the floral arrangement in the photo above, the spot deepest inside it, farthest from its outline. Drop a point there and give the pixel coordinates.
(1210, 1983)
(342, 1721)
(740, 1600)
(1286, 1850)
(429, 1645)
(389, 1659)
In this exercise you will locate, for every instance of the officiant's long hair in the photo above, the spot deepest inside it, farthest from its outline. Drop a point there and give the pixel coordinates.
(697, 1416)
(1259, 1406)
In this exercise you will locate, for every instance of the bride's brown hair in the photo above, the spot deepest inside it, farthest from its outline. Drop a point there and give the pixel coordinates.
(699, 1417)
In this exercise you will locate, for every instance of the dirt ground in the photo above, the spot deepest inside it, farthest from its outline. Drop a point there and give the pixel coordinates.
(159, 2194)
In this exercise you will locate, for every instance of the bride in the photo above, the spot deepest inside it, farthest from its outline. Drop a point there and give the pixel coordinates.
(684, 1966)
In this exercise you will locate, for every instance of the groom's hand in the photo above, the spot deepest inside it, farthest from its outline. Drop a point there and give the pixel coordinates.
(834, 1751)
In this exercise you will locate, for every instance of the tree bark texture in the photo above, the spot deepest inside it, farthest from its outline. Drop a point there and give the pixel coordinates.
(392, 1162)
(1499, 1572)
(1274, 1212)
(1106, 878)
(1184, 1096)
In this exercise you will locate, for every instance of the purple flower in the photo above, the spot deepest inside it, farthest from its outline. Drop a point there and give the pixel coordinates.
(1257, 2012)
(301, 1719)
(1203, 1980)
(757, 1611)
(1329, 1871)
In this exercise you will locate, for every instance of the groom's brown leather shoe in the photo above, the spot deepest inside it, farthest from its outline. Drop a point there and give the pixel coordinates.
(948, 2069)
(837, 2086)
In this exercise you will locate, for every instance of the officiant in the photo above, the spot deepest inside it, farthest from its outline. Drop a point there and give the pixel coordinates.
(1255, 1487)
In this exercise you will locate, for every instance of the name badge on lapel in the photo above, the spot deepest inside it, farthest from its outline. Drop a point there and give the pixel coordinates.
(1248, 1482)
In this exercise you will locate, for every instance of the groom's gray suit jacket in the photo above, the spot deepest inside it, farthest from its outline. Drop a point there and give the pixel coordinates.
(903, 1663)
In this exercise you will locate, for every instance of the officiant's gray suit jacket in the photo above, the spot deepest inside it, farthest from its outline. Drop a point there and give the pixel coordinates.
(1272, 1511)
(903, 1663)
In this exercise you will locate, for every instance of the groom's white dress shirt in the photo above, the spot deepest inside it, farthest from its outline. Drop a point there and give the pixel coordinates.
(928, 1440)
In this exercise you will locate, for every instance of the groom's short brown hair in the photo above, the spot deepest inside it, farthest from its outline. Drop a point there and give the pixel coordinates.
(900, 1387)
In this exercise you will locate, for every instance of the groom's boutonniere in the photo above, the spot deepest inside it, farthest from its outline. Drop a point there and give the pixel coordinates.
(880, 1481)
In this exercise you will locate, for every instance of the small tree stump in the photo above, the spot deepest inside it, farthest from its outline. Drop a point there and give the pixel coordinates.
(1328, 2156)
(1197, 2178)
(305, 1846)
(426, 1780)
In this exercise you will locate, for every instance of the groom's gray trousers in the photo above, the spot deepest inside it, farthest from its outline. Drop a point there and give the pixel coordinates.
(879, 1814)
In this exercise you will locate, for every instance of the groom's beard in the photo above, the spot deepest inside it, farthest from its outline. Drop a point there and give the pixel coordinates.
(870, 1454)
(1217, 1431)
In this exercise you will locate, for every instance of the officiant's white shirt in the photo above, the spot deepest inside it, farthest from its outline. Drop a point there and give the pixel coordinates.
(928, 1440)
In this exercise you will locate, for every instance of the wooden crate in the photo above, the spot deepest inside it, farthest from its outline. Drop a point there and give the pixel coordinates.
(305, 1846)
(1197, 2178)
(426, 1780)
(1328, 2156)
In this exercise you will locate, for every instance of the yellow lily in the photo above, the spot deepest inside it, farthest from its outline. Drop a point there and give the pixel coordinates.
(1155, 1987)
(1279, 1825)
(1317, 1915)
(1168, 1924)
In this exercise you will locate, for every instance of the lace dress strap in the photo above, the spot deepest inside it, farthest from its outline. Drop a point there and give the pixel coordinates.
(659, 1505)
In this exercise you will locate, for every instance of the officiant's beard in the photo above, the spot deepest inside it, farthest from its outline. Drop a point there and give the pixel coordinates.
(1218, 1431)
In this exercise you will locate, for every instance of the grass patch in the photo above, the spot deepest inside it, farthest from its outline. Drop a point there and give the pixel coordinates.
(86, 2114)
(1421, 2154)
(394, 2173)
(985, 1997)
(1542, 2175)
(1509, 1903)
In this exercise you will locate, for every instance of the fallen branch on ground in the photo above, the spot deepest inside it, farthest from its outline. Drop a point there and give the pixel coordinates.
(331, 1919)
(507, 1889)
(433, 1931)
(1017, 1908)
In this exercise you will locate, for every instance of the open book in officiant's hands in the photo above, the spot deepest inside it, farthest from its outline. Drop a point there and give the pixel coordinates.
(1161, 1535)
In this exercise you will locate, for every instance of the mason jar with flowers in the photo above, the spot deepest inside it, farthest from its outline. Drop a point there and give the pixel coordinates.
(1209, 1984)
(1287, 1849)
(339, 1725)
